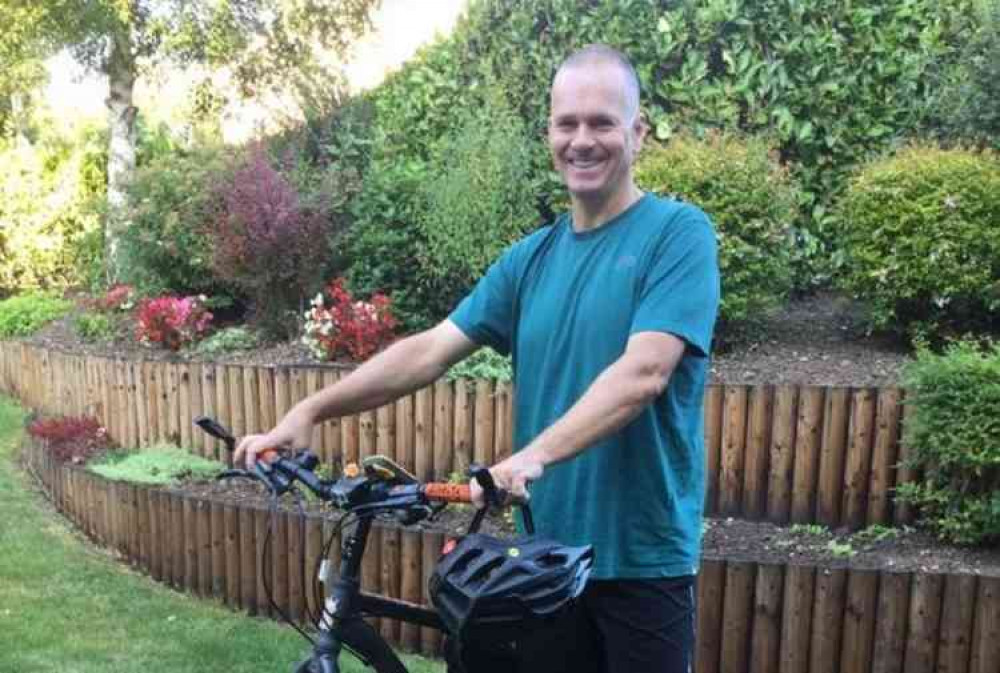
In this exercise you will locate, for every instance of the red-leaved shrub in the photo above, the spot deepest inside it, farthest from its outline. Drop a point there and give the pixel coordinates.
(171, 322)
(70, 438)
(268, 243)
(346, 328)
(119, 297)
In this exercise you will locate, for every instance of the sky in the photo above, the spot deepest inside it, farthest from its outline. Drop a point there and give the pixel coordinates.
(401, 27)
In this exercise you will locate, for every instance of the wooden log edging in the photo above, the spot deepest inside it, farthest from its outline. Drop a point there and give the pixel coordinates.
(752, 617)
(780, 453)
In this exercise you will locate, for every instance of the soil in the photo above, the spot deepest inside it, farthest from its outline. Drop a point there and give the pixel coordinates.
(902, 549)
(817, 340)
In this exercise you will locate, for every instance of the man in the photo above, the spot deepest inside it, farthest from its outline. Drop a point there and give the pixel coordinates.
(609, 315)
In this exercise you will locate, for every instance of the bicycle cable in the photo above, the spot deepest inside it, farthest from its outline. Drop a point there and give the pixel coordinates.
(273, 510)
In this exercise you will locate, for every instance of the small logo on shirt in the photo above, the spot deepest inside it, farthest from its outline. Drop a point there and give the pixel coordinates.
(626, 262)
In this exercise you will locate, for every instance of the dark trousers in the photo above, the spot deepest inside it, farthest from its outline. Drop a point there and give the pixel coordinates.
(618, 626)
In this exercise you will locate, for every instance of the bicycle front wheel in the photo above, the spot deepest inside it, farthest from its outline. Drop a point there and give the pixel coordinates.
(364, 650)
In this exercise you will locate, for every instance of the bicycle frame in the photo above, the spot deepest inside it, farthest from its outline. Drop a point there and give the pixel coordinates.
(345, 598)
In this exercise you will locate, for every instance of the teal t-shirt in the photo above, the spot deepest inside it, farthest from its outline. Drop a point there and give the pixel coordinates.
(565, 304)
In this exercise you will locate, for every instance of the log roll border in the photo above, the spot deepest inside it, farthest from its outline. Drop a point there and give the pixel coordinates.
(752, 617)
(803, 454)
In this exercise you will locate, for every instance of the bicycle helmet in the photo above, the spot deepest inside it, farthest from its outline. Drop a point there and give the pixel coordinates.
(485, 581)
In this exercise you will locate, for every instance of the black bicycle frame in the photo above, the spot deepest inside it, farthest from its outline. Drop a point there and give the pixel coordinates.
(345, 598)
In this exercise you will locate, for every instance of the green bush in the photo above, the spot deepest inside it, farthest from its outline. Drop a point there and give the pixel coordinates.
(386, 236)
(48, 194)
(831, 81)
(965, 101)
(752, 202)
(162, 464)
(167, 245)
(228, 340)
(480, 196)
(25, 314)
(921, 243)
(485, 363)
(953, 436)
(94, 326)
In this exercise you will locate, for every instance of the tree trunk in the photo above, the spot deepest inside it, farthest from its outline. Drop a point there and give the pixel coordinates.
(121, 147)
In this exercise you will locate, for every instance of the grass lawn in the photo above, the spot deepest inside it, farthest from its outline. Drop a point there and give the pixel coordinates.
(66, 607)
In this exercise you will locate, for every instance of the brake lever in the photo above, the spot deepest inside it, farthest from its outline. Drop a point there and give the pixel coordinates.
(239, 474)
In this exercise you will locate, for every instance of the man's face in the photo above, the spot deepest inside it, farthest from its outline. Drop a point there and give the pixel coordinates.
(592, 135)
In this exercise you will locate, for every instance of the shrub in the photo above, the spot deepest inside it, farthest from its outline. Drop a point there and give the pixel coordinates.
(268, 243)
(953, 436)
(118, 297)
(47, 199)
(964, 103)
(166, 246)
(94, 326)
(379, 248)
(346, 328)
(25, 314)
(228, 340)
(70, 438)
(752, 202)
(480, 196)
(162, 464)
(485, 363)
(171, 322)
(920, 241)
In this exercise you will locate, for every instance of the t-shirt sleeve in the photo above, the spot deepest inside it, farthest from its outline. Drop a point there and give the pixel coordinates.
(679, 294)
(486, 315)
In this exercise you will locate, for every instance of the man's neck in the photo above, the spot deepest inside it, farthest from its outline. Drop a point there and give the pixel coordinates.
(593, 214)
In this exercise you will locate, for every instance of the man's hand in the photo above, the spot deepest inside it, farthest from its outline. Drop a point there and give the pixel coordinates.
(513, 476)
(293, 432)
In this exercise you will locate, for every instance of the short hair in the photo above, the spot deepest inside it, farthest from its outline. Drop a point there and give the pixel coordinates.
(601, 53)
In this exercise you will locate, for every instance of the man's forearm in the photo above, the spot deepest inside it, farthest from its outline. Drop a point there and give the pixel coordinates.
(397, 371)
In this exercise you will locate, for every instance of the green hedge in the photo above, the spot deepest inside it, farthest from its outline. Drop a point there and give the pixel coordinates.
(752, 202)
(921, 243)
(953, 436)
(25, 314)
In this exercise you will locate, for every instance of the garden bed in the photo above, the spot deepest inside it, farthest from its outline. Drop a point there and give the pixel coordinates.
(818, 340)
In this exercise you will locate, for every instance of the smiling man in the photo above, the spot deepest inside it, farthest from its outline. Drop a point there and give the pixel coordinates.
(608, 313)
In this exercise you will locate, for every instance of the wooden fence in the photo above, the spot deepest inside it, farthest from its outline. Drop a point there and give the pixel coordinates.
(752, 617)
(782, 453)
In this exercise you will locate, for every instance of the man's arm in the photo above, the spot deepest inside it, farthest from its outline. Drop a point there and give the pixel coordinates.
(406, 366)
(615, 397)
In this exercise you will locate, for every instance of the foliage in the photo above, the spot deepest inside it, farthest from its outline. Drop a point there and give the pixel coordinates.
(94, 326)
(47, 197)
(160, 464)
(118, 297)
(228, 340)
(171, 322)
(964, 103)
(953, 438)
(480, 195)
(175, 201)
(921, 245)
(751, 201)
(380, 245)
(485, 363)
(267, 242)
(71, 438)
(831, 81)
(348, 328)
(25, 314)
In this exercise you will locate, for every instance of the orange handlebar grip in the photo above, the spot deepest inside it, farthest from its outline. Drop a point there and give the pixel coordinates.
(268, 456)
(448, 492)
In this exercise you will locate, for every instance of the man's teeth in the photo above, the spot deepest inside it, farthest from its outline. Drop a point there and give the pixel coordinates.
(584, 163)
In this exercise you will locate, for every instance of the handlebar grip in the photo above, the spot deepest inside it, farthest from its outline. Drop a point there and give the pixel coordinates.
(448, 492)
(268, 456)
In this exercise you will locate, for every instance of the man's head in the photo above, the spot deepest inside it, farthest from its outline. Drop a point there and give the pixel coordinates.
(595, 130)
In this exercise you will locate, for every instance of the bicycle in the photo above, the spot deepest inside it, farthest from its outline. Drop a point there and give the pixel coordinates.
(379, 486)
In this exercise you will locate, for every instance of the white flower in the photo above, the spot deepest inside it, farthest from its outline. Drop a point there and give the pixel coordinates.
(318, 300)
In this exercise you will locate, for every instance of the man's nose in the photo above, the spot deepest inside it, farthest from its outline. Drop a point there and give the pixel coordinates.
(582, 137)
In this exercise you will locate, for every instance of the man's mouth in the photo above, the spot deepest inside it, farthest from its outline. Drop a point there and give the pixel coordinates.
(584, 164)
